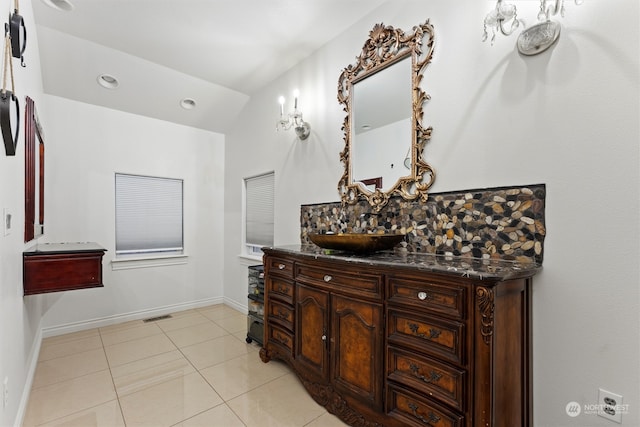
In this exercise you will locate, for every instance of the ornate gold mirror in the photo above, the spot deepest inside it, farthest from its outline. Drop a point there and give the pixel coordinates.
(383, 132)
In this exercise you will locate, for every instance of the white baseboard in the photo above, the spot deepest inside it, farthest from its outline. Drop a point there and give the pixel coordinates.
(243, 307)
(52, 331)
(32, 363)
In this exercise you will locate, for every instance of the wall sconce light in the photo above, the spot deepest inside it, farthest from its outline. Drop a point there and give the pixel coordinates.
(534, 39)
(293, 120)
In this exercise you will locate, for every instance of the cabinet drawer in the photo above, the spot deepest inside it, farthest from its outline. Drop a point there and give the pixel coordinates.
(61, 272)
(279, 266)
(280, 337)
(280, 313)
(438, 337)
(354, 283)
(414, 410)
(427, 376)
(427, 295)
(281, 289)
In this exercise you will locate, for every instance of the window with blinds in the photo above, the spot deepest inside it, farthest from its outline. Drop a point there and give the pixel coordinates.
(259, 194)
(149, 215)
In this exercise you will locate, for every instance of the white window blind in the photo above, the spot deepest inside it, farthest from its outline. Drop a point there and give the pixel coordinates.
(259, 210)
(148, 214)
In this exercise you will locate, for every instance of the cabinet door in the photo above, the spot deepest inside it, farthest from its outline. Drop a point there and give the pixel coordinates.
(356, 347)
(312, 318)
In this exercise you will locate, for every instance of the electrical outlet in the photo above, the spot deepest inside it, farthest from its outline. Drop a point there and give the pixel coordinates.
(5, 392)
(610, 406)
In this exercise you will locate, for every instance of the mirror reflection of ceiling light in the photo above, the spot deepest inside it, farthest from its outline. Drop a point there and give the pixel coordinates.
(108, 81)
(188, 103)
(62, 5)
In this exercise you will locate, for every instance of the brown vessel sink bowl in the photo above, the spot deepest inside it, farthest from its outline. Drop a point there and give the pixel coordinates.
(357, 242)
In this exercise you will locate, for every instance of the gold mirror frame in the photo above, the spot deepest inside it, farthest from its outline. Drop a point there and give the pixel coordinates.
(386, 46)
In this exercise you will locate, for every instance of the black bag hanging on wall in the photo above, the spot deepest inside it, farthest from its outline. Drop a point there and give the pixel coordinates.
(18, 37)
(7, 98)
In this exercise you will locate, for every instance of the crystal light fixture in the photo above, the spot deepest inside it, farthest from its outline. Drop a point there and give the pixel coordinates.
(293, 120)
(534, 39)
(496, 19)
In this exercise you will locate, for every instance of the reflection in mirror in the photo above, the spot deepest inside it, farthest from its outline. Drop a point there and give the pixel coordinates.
(381, 134)
(33, 174)
(383, 131)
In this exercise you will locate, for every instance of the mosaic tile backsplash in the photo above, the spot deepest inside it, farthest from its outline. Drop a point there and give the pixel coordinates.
(498, 223)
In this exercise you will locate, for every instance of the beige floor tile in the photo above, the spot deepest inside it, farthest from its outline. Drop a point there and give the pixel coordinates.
(220, 312)
(135, 376)
(241, 335)
(121, 326)
(327, 420)
(129, 334)
(210, 307)
(53, 349)
(65, 368)
(68, 397)
(105, 415)
(181, 321)
(282, 402)
(130, 351)
(237, 376)
(170, 402)
(220, 416)
(58, 339)
(188, 312)
(215, 351)
(196, 334)
(233, 324)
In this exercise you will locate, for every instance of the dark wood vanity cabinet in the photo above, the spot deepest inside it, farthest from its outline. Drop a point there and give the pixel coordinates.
(55, 267)
(384, 344)
(339, 341)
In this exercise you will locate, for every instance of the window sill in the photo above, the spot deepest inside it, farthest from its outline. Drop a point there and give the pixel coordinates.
(125, 263)
(257, 258)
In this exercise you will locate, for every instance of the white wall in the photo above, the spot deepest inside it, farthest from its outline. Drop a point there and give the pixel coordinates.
(85, 146)
(568, 118)
(19, 318)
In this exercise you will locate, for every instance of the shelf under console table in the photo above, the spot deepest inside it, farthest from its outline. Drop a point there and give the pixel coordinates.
(403, 339)
(55, 267)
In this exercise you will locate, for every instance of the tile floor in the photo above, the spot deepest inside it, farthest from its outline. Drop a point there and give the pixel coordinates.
(194, 369)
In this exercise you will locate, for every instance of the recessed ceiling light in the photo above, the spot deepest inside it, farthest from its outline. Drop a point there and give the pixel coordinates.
(188, 104)
(63, 5)
(108, 81)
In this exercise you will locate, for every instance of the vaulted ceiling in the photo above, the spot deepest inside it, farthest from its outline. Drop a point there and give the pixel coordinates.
(216, 52)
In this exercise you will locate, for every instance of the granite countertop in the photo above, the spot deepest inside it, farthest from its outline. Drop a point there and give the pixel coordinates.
(60, 248)
(476, 268)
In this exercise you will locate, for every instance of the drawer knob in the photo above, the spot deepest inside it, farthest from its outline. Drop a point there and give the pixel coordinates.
(282, 290)
(327, 278)
(324, 338)
(430, 419)
(281, 266)
(422, 295)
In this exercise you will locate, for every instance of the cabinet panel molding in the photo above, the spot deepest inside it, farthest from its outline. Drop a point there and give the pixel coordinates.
(379, 342)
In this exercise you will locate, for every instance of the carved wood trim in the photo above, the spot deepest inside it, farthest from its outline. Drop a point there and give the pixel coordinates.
(326, 396)
(486, 305)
